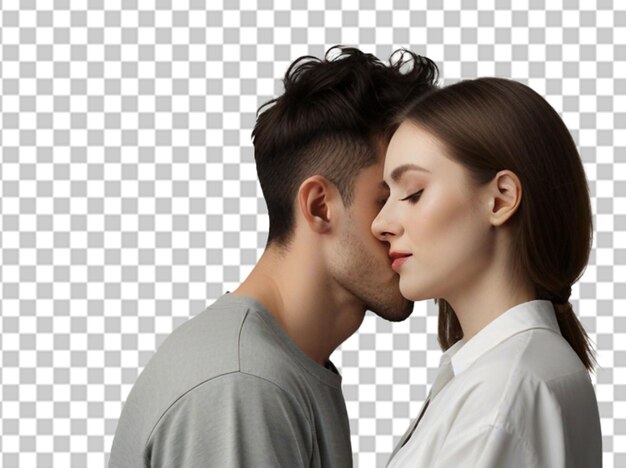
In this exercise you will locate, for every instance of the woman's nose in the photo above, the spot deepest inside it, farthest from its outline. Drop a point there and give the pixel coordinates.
(381, 228)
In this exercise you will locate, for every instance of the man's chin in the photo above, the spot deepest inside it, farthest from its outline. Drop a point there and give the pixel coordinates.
(396, 314)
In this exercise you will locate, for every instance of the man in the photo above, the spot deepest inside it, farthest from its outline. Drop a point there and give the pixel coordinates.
(248, 382)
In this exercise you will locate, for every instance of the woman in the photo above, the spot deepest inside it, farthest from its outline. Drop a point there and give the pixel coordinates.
(489, 213)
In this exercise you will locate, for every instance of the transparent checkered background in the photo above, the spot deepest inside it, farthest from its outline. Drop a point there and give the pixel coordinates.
(129, 199)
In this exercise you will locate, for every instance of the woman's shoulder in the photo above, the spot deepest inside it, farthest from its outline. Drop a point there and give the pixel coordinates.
(546, 357)
(540, 355)
(543, 371)
(527, 365)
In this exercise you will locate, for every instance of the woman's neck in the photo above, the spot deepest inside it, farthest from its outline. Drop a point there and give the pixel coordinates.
(487, 297)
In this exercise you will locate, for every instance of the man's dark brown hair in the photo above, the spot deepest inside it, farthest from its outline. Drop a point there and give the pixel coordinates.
(329, 120)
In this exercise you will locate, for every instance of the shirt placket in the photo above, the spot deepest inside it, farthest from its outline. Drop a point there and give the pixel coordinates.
(444, 375)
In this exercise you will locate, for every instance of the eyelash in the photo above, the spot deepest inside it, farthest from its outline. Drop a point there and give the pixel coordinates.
(414, 197)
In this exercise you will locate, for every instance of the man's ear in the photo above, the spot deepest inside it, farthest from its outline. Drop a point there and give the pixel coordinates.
(316, 199)
(505, 195)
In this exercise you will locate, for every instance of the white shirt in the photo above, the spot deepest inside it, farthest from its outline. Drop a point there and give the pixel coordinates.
(514, 395)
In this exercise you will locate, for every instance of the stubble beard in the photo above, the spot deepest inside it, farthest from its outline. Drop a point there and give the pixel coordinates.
(358, 271)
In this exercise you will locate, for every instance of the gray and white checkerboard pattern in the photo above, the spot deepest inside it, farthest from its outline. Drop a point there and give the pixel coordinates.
(129, 199)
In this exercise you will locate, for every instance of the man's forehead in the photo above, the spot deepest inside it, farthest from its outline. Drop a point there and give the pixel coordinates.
(381, 143)
(370, 177)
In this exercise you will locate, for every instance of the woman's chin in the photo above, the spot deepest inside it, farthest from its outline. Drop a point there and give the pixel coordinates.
(414, 295)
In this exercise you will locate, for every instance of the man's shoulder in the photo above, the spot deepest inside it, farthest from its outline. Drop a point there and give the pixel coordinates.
(226, 337)
(199, 351)
(203, 347)
(225, 352)
(231, 335)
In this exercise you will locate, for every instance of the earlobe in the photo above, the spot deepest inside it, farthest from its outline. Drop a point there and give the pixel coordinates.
(506, 195)
(314, 196)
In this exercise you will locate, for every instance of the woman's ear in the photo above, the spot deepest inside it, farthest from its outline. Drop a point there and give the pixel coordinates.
(315, 203)
(505, 195)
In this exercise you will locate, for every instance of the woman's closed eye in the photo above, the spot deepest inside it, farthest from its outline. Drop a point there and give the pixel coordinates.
(413, 198)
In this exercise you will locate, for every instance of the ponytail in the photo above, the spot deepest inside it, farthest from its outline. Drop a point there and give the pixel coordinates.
(575, 334)
(571, 328)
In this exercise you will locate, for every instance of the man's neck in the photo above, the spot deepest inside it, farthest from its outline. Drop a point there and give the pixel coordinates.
(316, 312)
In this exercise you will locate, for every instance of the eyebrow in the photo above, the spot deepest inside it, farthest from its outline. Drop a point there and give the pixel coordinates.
(399, 171)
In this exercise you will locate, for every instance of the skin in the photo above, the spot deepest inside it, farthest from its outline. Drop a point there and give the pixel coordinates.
(458, 233)
(334, 270)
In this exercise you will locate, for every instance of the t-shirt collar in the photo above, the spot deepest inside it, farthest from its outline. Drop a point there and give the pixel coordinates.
(520, 318)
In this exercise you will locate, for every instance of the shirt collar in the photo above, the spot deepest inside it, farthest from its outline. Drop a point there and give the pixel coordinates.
(522, 317)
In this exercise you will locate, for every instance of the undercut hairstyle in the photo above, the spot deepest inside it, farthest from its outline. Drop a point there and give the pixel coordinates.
(330, 120)
(492, 124)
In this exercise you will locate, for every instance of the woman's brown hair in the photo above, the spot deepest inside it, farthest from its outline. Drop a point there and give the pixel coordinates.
(492, 124)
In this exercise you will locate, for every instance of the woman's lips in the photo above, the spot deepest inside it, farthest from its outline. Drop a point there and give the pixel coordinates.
(397, 262)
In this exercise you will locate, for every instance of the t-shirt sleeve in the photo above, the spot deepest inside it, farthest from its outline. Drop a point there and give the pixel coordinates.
(236, 420)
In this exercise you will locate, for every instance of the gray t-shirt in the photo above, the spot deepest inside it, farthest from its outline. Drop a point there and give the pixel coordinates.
(229, 388)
